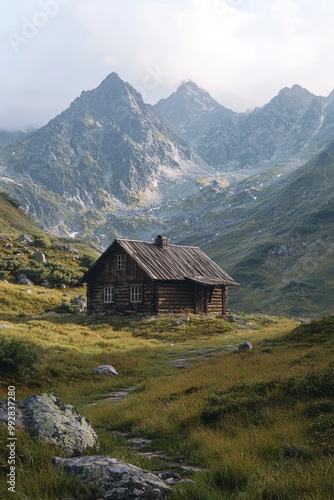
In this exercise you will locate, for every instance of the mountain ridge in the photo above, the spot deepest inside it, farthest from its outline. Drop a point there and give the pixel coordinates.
(106, 150)
(292, 126)
(111, 165)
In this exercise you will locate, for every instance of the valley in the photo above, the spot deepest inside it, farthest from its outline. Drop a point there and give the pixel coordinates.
(254, 189)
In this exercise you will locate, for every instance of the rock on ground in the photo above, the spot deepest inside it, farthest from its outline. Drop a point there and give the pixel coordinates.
(39, 257)
(80, 303)
(23, 280)
(245, 346)
(113, 479)
(107, 370)
(27, 239)
(48, 419)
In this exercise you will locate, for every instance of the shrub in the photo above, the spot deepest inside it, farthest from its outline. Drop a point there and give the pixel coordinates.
(12, 264)
(34, 271)
(57, 273)
(16, 354)
(87, 260)
(54, 272)
(66, 307)
(42, 241)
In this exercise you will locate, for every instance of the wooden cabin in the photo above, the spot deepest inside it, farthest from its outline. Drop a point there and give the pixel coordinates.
(152, 278)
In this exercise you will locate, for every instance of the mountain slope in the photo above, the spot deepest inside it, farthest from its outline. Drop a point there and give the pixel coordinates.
(289, 261)
(193, 114)
(107, 151)
(13, 219)
(278, 244)
(292, 127)
(241, 186)
(111, 138)
(7, 138)
(270, 131)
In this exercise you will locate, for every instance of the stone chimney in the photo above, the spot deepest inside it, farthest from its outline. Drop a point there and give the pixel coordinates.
(161, 241)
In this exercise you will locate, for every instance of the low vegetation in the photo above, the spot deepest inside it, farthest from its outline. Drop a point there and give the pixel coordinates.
(64, 259)
(15, 355)
(257, 424)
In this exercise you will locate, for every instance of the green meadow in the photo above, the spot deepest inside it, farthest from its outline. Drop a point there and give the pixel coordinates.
(256, 424)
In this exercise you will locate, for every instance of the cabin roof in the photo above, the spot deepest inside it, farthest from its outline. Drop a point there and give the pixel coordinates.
(171, 262)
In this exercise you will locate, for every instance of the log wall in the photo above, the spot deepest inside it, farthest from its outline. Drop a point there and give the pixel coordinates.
(215, 306)
(158, 298)
(175, 296)
(122, 303)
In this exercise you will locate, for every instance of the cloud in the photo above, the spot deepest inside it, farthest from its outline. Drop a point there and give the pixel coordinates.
(242, 51)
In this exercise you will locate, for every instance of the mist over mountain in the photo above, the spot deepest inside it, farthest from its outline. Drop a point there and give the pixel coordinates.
(7, 137)
(253, 189)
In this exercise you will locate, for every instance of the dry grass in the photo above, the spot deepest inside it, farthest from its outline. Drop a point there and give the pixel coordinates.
(258, 421)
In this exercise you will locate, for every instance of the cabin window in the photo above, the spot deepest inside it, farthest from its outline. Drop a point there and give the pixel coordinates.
(136, 294)
(109, 294)
(120, 263)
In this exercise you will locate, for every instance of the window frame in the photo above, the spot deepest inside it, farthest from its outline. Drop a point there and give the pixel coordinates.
(109, 294)
(120, 262)
(136, 294)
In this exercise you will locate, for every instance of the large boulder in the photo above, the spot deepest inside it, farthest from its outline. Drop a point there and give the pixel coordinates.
(39, 257)
(48, 419)
(45, 283)
(4, 237)
(80, 304)
(107, 370)
(112, 478)
(26, 239)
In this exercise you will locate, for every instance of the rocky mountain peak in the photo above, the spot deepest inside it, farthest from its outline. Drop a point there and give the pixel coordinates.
(196, 96)
(190, 111)
(111, 97)
(189, 98)
(108, 145)
(114, 87)
(302, 97)
(111, 79)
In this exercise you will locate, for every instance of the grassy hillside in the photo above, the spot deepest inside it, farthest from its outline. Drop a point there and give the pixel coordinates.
(13, 220)
(273, 234)
(256, 424)
(66, 259)
(283, 251)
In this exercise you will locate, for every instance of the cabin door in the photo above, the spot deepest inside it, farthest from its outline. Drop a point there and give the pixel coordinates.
(200, 299)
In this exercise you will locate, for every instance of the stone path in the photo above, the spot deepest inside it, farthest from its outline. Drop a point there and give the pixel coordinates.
(200, 354)
(173, 470)
(114, 396)
(140, 446)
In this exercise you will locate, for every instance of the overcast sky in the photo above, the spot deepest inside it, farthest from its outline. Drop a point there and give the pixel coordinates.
(242, 51)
